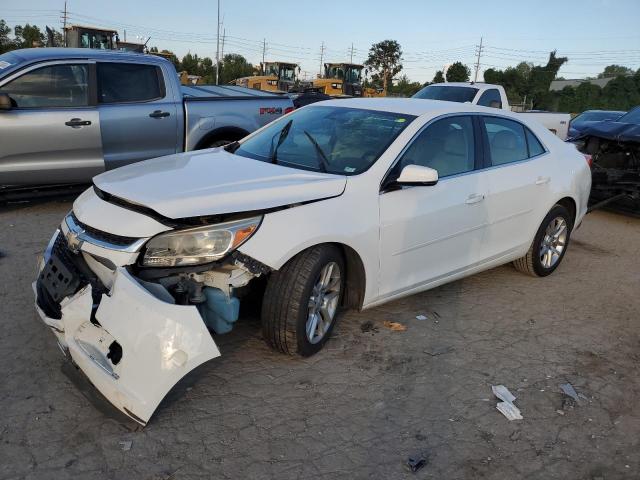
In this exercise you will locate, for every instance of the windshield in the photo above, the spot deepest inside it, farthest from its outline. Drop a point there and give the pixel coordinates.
(632, 117)
(353, 75)
(287, 73)
(334, 72)
(344, 141)
(450, 94)
(596, 116)
(8, 63)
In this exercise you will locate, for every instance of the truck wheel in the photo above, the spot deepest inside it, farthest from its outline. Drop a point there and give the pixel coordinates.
(549, 245)
(302, 299)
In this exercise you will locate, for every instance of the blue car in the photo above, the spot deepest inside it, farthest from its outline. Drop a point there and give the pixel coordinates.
(588, 117)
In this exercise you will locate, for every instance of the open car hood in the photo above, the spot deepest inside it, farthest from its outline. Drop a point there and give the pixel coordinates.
(215, 182)
(623, 132)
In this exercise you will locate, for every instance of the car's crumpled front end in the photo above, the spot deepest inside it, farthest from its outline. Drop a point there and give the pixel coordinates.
(134, 331)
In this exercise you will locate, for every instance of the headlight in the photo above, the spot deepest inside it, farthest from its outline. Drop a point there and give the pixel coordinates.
(198, 245)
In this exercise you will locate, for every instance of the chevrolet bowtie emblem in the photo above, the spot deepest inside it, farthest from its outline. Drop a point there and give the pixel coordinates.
(74, 241)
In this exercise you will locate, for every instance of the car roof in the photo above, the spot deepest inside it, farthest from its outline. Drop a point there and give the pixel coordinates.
(412, 106)
(58, 53)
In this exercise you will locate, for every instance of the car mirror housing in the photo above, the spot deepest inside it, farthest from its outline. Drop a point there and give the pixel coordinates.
(5, 102)
(417, 175)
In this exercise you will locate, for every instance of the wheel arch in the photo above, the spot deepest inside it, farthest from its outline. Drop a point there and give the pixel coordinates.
(222, 133)
(571, 205)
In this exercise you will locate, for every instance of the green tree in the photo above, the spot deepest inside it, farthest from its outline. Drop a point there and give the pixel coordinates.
(438, 77)
(234, 66)
(458, 72)
(615, 71)
(385, 60)
(540, 79)
(6, 43)
(405, 87)
(28, 36)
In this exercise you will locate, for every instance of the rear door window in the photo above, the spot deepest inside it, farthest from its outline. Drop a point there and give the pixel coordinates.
(129, 83)
(507, 141)
(64, 85)
(535, 147)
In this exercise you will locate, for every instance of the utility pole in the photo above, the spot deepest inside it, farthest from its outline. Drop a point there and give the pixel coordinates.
(264, 51)
(321, 57)
(475, 77)
(351, 58)
(224, 34)
(218, 47)
(64, 24)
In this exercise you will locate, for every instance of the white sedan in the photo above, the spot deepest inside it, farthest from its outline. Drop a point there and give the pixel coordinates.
(345, 203)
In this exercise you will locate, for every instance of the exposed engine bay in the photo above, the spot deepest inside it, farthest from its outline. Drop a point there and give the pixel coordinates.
(615, 172)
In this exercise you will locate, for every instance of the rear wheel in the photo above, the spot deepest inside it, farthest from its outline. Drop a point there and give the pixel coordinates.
(302, 299)
(549, 245)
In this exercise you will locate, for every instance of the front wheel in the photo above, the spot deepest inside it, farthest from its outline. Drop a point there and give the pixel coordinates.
(302, 299)
(549, 245)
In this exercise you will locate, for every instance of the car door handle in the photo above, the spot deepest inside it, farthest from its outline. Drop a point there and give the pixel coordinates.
(77, 123)
(159, 114)
(474, 198)
(542, 180)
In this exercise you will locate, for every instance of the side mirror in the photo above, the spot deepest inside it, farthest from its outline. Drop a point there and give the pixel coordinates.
(417, 175)
(5, 102)
(495, 104)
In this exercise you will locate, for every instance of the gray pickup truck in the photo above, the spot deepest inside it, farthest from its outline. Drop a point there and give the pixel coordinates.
(69, 114)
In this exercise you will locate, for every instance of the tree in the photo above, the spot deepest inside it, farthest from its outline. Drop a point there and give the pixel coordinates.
(615, 71)
(540, 79)
(458, 72)
(405, 87)
(385, 59)
(234, 66)
(28, 36)
(5, 42)
(438, 77)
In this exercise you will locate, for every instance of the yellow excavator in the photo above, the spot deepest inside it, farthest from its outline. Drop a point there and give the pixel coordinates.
(344, 79)
(274, 77)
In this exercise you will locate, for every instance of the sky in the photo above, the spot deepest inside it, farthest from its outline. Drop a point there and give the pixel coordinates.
(432, 34)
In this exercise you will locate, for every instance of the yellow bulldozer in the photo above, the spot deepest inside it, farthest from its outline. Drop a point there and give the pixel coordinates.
(273, 77)
(344, 79)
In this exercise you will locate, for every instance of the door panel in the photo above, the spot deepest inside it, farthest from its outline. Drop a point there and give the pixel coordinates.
(138, 117)
(52, 135)
(430, 232)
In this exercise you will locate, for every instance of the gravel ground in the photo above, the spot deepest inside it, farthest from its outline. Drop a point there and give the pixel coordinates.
(373, 396)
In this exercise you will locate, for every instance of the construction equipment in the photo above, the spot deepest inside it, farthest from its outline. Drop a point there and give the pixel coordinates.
(83, 36)
(341, 79)
(274, 77)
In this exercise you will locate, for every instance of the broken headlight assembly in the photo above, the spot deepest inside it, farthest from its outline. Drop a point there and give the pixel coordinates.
(195, 246)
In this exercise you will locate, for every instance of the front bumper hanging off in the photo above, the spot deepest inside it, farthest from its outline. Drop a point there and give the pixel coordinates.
(132, 346)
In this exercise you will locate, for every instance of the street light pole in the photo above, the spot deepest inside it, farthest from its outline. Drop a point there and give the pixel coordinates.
(218, 47)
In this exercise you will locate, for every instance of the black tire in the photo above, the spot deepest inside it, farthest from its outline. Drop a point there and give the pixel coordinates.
(286, 300)
(531, 263)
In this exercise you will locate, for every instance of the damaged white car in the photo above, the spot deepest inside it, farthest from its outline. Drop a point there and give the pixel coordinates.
(345, 203)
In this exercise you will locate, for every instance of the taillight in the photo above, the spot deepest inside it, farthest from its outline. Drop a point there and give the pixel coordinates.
(588, 158)
(288, 110)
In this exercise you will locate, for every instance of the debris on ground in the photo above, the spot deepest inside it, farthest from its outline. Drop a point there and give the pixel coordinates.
(436, 351)
(506, 406)
(126, 445)
(395, 326)
(421, 317)
(416, 462)
(368, 326)
(569, 391)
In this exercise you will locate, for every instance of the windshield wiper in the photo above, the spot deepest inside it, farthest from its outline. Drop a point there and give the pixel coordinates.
(273, 155)
(324, 161)
(232, 147)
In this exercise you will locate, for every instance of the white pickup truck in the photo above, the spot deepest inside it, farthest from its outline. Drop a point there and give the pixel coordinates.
(488, 95)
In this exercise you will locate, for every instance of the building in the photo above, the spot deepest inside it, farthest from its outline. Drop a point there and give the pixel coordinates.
(558, 85)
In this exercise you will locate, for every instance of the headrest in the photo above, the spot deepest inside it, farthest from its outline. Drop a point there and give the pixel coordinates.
(455, 143)
(505, 139)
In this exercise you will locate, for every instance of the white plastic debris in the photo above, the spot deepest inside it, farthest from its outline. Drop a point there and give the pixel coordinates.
(420, 317)
(569, 391)
(503, 393)
(126, 445)
(506, 406)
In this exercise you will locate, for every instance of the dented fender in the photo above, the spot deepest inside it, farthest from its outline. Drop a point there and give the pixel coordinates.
(159, 343)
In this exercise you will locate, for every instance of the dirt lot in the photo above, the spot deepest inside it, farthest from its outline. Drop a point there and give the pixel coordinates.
(373, 396)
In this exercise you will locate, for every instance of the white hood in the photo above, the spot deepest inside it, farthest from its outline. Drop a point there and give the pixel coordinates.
(215, 182)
